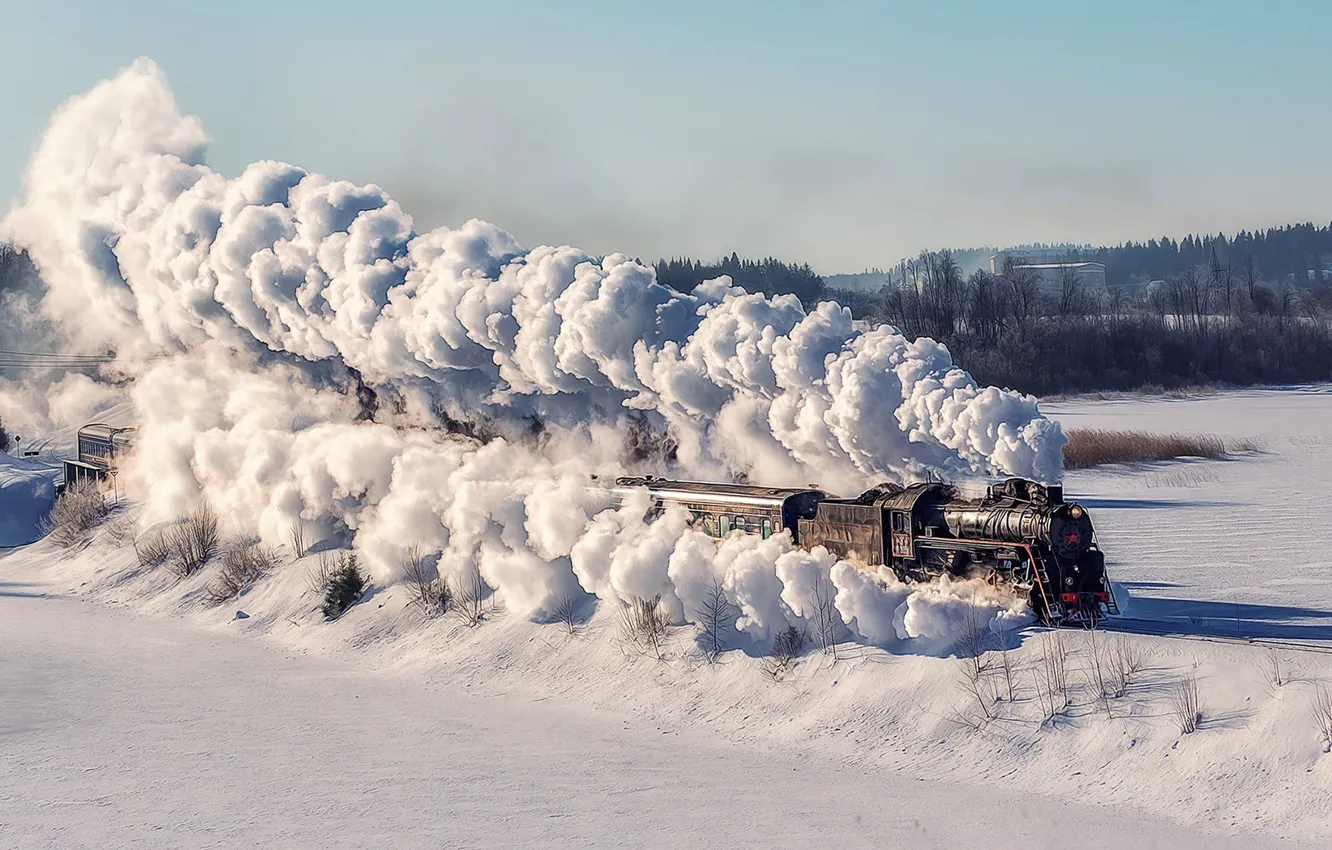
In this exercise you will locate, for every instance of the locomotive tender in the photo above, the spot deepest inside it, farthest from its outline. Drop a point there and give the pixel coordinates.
(1019, 533)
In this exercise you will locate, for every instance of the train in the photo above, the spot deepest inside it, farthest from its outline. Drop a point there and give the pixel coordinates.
(101, 450)
(1019, 533)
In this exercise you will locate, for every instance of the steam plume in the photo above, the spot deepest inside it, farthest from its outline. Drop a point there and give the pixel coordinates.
(274, 287)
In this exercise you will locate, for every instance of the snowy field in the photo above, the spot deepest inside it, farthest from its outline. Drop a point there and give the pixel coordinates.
(133, 714)
(1243, 545)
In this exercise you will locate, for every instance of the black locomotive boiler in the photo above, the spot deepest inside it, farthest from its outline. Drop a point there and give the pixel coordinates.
(1019, 533)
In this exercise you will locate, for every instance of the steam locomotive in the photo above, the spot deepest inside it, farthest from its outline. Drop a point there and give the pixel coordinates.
(1020, 533)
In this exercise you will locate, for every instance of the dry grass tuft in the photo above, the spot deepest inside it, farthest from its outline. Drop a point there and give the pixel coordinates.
(644, 625)
(1088, 447)
(193, 540)
(78, 510)
(426, 589)
(243, 561)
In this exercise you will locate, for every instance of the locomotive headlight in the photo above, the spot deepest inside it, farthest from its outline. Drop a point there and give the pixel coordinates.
(1075, 512)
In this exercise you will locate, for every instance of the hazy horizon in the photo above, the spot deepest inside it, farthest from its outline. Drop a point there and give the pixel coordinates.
(847, 136)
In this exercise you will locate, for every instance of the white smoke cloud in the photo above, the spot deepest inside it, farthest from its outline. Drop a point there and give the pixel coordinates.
(276, 287)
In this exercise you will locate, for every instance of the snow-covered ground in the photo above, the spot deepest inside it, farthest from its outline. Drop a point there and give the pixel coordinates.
(125, 728)
(122, 731)
(1202, 544)
(27, 491)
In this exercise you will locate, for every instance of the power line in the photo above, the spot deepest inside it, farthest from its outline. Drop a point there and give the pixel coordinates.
(10, 359)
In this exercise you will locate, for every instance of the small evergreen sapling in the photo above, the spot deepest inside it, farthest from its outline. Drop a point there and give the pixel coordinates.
(344, 588)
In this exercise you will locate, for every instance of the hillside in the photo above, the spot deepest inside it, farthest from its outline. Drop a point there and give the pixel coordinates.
(878, 719)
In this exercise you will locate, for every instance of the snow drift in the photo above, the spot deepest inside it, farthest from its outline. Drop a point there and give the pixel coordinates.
(275, 291)
(26, 496)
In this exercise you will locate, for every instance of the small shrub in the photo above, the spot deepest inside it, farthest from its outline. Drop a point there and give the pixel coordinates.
(78, 510)
(972, 647)
(429, 592)
(1184, 704)
(1321, 711)
(297, 538)
(470, 600)
(120, 529)
(786, 648)
(345, 585)
(193, 541)
(243, 561)
(644, 624)
(318, 574)
(152, 549)
(566, 612)
(1088, 447)
(1051, 675)
(1103, 675)
(1275, 671)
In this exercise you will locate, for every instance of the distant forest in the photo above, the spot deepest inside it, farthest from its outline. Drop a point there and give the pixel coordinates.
(1208, 324)
(1296, 254)
(769, 276)
(1255, 308)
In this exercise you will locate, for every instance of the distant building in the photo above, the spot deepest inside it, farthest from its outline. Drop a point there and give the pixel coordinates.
(1032, 257)
(1052, 265)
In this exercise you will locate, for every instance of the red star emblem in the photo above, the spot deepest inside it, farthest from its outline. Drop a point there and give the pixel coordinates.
(1071, 538)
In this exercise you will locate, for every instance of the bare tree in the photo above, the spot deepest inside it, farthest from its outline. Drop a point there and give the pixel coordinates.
(1100, 674)
(1071, 298)
(1024, 288)
(972, 647)
(714, 617)
(317, 575)
(1007, 669)
(296, 538)
(1051, 676)
(566, 612)
(826, 618)
(471, 598)
(1250, 276)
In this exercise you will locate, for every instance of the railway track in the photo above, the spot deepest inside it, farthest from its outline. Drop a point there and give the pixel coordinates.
(1156, 628)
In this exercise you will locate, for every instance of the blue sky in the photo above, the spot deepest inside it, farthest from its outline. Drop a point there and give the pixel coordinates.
(842, 134)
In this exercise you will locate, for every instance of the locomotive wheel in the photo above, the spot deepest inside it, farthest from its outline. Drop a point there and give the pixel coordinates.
(1039, 606)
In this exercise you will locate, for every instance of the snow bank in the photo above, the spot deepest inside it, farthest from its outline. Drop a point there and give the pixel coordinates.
(277, 290)
(27, 491)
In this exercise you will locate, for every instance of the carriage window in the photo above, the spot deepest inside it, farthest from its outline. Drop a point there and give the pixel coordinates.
(740, 524)
(725, 525)
(767, 529)
(708, 524)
